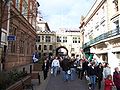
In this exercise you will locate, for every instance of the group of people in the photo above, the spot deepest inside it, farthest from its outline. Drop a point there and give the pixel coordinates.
(74, 67)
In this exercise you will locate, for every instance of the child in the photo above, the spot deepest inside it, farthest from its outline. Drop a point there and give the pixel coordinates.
(108, 83)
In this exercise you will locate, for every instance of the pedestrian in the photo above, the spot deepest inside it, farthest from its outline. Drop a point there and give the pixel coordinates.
(73, 66)
(116, 78)
(65, 68)
(79, 68)
(108, 83)
(55, 66)
(92, 73)
(106, 70)
(99, 75)
(45, 68)
(84, 68)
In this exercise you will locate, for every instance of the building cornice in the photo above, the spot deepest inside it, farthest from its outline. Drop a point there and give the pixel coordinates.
(94, 11)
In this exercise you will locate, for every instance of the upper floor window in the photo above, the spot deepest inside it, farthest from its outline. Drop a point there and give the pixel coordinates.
(50, 47)
(58, 38)
(48, 38)
(64, 39)
(116, 4)
(24, 8)
(45, 47)
(39, 47)
(74, 39)
(38, 39)
(42, 38)
(18, 4)
(117, 24)
(78, 39)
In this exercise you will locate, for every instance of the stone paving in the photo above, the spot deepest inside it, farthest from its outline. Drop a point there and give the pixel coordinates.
(56, 83)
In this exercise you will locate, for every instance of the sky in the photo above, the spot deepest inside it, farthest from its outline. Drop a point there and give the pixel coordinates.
(64, 13)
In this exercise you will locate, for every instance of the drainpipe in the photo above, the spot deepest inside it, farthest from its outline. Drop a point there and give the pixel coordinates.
(8, 23)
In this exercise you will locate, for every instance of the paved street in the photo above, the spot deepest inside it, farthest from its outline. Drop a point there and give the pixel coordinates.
(56, 83)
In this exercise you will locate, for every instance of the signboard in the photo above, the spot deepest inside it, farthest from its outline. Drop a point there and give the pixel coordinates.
(11, 38)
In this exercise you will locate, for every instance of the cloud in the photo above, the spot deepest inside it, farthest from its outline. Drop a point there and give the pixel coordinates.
(64, 13)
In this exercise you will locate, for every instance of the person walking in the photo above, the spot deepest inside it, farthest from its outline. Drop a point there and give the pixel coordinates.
(79, 68)
(65, 68)
(99, 75)
(55, 66)
(116, 78)
(106, 71)
(73, 67)
(108, 83)
(84, 68)
(92, 72)
(45, 68)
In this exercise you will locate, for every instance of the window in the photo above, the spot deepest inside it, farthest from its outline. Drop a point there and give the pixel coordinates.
(117, 24)
(64, 39)
(44, 54)
(116, 4)
(18, 4)
(24, 8)
(72, 49)
(50, 47)
(21, 46)
(58, 39)
(28, 47)
(48, 39)
(38, 39)
(45, 47)
(42, 38)
(3, 37)
(74, 39)
(78, 39)
(39, 48)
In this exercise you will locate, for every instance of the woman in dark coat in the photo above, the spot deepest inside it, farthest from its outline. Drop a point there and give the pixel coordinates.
(45, 68)
(116, 78)
(99, 75)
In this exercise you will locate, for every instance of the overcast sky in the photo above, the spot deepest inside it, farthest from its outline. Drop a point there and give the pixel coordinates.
(64, 13)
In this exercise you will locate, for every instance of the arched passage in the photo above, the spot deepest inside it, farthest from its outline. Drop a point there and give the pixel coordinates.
(61, 51)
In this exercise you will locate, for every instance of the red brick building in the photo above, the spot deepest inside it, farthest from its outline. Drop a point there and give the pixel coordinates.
(22, 25)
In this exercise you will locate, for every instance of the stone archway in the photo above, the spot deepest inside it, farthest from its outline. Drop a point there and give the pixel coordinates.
(61, 51)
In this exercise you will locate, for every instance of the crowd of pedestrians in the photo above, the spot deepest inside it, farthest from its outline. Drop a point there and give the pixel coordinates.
(75, 68)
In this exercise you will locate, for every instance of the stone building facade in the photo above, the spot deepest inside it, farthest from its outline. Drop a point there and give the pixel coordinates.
(45, 43)
(68, 39)
(101, 32)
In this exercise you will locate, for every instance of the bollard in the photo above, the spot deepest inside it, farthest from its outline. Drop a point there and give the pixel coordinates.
(39, 78)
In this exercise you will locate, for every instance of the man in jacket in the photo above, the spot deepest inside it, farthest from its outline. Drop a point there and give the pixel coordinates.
(65, 67)
(116, 78)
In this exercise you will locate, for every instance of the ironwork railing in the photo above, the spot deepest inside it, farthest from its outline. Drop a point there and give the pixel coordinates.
(103, 36)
